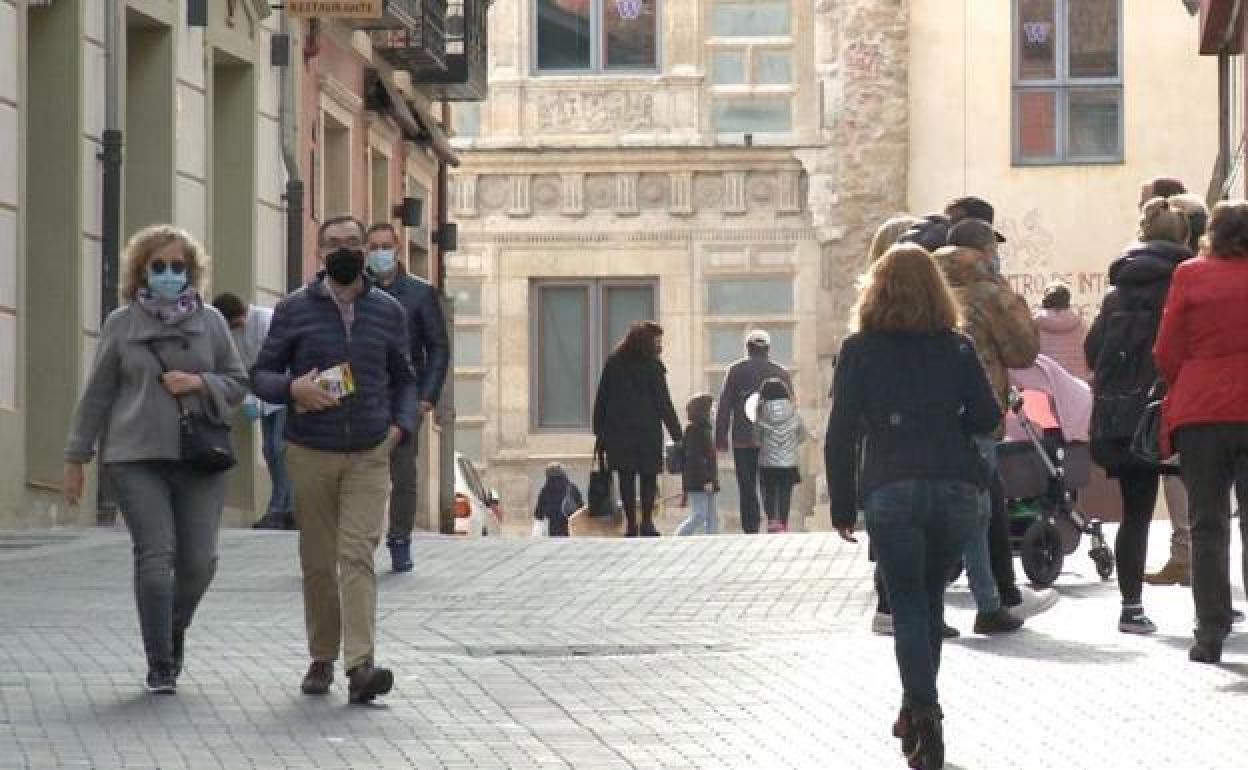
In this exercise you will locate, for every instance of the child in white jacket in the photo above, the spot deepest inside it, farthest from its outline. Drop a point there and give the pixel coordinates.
(780, 433)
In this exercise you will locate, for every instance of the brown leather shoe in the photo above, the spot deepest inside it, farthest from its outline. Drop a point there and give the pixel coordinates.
(366, 682)
(318, 679)
(1174, 573)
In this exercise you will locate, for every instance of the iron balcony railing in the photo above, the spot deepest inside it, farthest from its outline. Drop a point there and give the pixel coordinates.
(465, 77)
(411, 34)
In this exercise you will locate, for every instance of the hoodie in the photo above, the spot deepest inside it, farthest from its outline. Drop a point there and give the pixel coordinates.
(1061, 338)
(996, 319)
(779, 433)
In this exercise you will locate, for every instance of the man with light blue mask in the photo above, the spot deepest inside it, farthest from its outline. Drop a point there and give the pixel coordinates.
(431, 353)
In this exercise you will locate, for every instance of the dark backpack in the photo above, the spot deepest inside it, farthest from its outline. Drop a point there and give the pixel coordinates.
(1124, 372)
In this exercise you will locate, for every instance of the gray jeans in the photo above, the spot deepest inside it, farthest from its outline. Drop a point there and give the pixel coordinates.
(173, 514)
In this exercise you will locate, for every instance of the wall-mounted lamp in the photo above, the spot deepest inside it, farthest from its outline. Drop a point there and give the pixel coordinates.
(410, 212)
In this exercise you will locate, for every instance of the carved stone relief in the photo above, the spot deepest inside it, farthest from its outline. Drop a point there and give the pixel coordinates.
(493, 192)
(599, 191)
(573, 194)
(595, 112)
(654, 191)
(547, 192)
(708, 190)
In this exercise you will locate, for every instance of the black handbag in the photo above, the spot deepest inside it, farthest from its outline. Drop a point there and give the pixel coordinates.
(601, 493)
(205, 444)
(1146, 440)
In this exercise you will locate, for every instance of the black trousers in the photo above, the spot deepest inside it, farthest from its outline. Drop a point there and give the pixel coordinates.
(1139, 498)
(628, 494)
(1000, 555)
(745, 463)
(1215, 460)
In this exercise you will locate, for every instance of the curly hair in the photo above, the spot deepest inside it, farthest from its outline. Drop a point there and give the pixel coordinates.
(905, 291)
(1228, 230)
(144, 244)
(640, 340)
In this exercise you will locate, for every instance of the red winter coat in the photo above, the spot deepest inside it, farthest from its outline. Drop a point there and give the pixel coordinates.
(1202, 346)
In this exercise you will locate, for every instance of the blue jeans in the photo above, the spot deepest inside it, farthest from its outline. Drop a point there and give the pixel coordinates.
(702, 516)
(919, 529)
(173, 513)
(271, 427)
(978, 562)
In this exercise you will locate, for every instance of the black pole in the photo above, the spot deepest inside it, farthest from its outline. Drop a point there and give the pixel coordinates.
(110, 246)
(446, 403)
(294, 234)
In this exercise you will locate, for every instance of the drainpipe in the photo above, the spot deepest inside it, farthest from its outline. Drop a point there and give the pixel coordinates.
(110, 157)
(288, 119)
(446, 404)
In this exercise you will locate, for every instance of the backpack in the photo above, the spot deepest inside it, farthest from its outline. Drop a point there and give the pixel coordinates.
(1124, 373)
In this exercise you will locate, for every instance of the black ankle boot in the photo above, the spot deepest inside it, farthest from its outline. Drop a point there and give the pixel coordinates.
(1205, 651)
(647, 527)
(903, 729)
(929, 749)
(630, 527)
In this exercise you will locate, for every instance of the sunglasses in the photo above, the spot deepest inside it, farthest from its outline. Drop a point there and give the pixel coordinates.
(158, 267)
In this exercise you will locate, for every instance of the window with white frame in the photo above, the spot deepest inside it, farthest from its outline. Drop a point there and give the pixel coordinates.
(737, 304)
(1068, 105)
(575, 326)
(596, 36)
(750, 61)
(335, 166)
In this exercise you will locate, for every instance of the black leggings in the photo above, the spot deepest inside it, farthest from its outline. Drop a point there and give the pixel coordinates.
(628, 494)
(1139, 497)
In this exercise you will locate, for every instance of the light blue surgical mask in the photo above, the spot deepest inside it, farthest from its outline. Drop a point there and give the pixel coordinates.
(381, 261)
(165, 284)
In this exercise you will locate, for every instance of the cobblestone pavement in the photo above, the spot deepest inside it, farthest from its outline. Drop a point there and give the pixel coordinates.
(727, 652)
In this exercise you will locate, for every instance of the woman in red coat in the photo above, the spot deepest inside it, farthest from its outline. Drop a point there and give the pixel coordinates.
(1202, 352)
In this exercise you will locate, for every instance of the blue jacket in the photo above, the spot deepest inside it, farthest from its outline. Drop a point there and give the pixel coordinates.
(431, 350)
(308, 333)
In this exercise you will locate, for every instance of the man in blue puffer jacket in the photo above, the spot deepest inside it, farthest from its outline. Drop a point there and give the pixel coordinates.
(337, 351)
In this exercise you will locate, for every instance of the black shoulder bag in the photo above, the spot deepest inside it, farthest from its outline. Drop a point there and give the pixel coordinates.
(205, 444)
(601, 493)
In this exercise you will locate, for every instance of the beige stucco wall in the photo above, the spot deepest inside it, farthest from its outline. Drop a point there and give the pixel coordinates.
(1063, 222)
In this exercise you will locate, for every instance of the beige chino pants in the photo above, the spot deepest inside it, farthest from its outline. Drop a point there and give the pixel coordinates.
(340, 503)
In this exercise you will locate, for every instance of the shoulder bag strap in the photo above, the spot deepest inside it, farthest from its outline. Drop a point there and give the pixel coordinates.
(164, 369)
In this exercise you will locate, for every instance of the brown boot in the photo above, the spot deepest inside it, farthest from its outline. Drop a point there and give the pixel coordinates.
(1174, 573)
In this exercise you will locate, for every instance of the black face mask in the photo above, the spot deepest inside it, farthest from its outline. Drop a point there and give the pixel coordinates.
(344, 265)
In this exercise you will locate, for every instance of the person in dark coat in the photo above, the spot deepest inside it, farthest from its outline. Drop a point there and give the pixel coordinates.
(700, 476)
(559, 499)
(1119, 353)
(631, 408)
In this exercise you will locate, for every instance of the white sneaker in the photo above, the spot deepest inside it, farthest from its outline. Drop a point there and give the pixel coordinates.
(1035, 602)
(882, 624)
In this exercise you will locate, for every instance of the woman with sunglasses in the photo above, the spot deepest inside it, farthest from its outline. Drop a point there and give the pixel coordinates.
(165, 350)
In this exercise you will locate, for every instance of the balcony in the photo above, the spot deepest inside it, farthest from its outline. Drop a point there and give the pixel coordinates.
(411, 34)
(465, 76)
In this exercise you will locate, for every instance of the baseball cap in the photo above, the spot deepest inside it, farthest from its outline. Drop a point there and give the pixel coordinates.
(973, 208)
(759, 338)
(972, 233)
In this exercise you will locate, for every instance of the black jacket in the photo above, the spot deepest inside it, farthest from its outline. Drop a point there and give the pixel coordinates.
(308, 333)
(1126, 329)
(701, 464)
(630, 409)
(905, 406)
(431, 350)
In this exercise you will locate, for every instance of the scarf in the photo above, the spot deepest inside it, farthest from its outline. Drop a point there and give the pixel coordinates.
(171, 312)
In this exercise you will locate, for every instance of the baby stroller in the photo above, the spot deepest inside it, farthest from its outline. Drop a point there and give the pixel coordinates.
(1040, 475)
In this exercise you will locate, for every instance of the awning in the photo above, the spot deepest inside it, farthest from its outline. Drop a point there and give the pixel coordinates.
(416, 123)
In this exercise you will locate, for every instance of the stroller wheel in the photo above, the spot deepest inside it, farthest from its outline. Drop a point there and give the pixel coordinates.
(1104, 559)
(1042, 552)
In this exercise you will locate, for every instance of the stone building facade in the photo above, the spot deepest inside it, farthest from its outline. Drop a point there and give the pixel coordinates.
(728, 180)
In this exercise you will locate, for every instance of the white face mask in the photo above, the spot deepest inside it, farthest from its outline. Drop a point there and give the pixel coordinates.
(381, 261)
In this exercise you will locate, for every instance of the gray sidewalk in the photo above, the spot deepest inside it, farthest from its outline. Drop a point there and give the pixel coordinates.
(517, 653)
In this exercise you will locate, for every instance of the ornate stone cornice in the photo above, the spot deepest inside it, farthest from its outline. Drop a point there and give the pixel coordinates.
(689, 235)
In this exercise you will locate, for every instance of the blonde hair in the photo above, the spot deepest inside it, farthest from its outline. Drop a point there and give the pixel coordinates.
(1162, 221)
(144, 244)
(888, 233)
(905, 291)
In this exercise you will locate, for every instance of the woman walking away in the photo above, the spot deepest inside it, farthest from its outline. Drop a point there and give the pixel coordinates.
(700, 479)
(557, 501)
(163, 352)
(910, 394)
(1119, 353)
(780, 432)
(1202, 352)
(631, 408)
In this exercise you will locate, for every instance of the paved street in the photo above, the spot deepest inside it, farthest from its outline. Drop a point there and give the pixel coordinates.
(676, 653)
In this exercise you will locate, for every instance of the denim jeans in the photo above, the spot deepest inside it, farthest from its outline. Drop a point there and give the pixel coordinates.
(978, 562)
(745, 463)
(919, 529)
(271, 427)
(173, 513)
(702, 516)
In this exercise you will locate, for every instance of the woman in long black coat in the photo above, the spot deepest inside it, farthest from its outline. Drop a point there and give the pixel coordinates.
(631, 408)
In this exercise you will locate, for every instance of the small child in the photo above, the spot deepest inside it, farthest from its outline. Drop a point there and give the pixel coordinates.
(558, 500)
(780, 433)
(700, 479)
